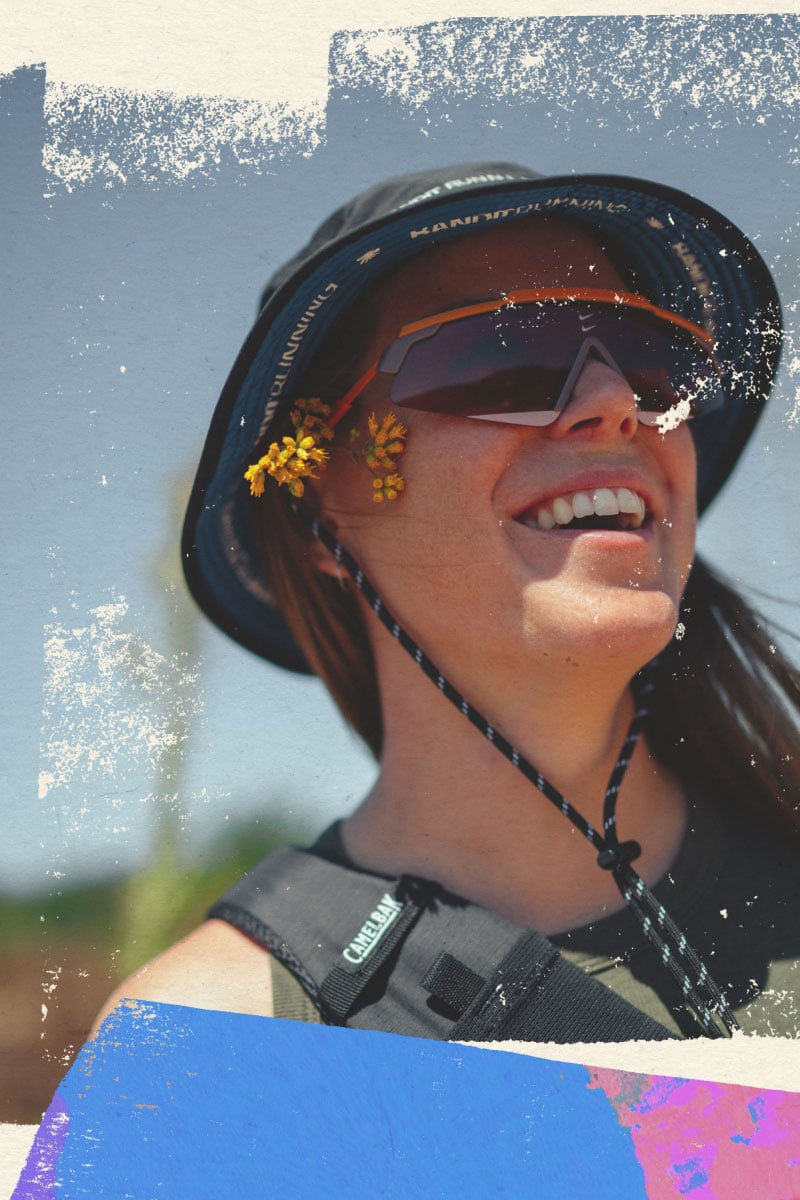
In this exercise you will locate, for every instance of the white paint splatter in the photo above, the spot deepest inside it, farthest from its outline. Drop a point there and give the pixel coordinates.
(113, 705)
(49, 986)
(791, 361)
(674, 416)
(699, 60)
(108, 134)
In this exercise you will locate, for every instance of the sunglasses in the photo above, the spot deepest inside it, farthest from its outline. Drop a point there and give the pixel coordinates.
(518, 359)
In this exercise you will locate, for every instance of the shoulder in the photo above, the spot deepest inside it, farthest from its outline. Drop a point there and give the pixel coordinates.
(214, 967)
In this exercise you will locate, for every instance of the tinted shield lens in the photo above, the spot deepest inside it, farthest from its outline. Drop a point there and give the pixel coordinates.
(518, 360)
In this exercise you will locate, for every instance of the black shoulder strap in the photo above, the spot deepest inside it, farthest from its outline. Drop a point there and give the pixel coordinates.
(404, 956)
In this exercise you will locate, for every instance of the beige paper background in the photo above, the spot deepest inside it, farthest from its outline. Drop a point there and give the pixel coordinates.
(247, 49)
(191, 49)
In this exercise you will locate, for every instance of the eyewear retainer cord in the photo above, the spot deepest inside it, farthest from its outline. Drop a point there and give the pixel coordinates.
(696, 984)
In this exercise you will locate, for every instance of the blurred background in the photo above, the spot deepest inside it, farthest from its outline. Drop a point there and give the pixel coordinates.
(150, 761)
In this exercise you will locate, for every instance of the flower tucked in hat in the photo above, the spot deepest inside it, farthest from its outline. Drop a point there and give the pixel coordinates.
(300, 454)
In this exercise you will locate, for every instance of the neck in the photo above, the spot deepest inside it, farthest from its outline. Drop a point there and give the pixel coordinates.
(448, 806)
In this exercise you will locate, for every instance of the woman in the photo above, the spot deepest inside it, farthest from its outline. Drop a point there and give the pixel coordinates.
(477, 417)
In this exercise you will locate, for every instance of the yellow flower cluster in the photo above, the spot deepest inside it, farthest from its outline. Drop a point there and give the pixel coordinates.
(297, 457)
(311, 416)
(385, 444)
(388, 488)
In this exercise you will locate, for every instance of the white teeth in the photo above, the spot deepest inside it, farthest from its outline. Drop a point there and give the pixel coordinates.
(562, 511)
(603, 502)
(628, 502)
(582, 505)
(606, 503)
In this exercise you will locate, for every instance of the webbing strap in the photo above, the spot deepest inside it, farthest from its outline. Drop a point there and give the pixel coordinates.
(536, 995)
(345, 985)
(453, 983)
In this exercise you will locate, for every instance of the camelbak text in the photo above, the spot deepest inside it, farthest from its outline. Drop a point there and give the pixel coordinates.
(386, 913)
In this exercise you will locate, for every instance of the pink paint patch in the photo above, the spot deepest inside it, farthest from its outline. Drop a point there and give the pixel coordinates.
(709, 1141)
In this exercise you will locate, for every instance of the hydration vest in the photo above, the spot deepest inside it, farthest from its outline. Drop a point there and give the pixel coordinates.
(406, 956)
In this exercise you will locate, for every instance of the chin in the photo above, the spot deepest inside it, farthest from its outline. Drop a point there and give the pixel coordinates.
(630, 626)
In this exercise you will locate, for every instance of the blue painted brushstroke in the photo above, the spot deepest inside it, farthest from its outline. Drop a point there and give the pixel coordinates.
(183, 1102)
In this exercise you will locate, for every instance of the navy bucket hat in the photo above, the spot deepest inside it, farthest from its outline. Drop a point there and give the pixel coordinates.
(685, 256)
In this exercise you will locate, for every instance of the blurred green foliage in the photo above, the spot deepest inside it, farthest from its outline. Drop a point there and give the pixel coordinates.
(135, 917)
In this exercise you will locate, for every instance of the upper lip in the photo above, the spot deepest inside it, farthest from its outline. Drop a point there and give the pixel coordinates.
(590, 481)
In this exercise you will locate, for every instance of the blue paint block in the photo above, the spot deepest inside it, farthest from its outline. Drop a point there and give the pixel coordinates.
(173, 1101)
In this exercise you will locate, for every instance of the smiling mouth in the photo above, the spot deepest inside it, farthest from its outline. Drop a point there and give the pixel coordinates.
(603, 508)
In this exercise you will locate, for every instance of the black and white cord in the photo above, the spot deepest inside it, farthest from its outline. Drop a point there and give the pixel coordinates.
(697, 986)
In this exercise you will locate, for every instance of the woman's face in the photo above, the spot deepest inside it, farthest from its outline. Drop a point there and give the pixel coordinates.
(460, 557)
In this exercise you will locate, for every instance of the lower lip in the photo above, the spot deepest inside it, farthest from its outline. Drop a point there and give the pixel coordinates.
(609, 537)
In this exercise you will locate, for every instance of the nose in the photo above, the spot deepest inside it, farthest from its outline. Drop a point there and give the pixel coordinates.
(602, 404)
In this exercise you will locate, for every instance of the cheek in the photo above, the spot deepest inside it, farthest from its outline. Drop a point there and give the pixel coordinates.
(674, 456)
(680, 465)
(345, 489)
(685, 449)
(452, 468)
(444, 516)
(686, 471)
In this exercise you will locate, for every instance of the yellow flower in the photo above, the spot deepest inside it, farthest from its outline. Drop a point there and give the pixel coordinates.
(393, 485)
(388, 488)
(255, 477)
(311, 416)
(289, 465)
(389, 429)
(386, 440)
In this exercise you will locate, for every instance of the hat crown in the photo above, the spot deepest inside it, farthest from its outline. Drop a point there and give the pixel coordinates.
(391, 195)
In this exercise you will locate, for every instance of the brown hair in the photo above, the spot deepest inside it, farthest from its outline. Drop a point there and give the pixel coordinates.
(727, 703)
(323, 615)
